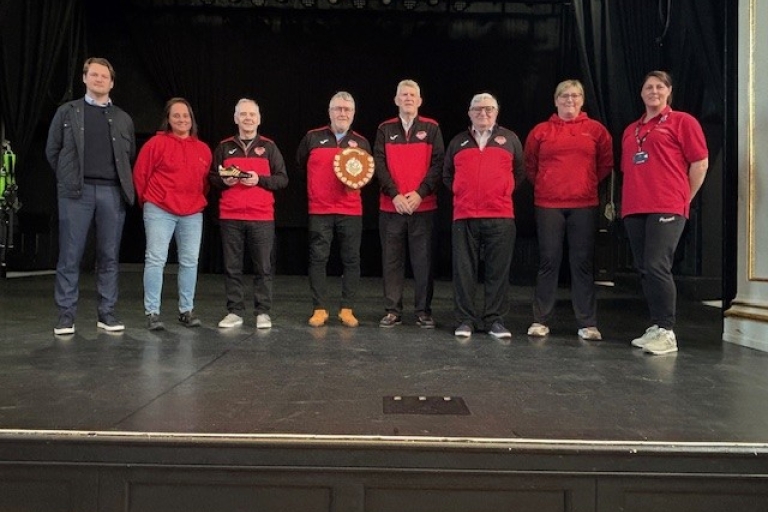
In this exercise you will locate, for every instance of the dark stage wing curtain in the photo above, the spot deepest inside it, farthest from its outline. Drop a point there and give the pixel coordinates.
(619, 45)
(693, 52)
(34, 34)
(616, 46)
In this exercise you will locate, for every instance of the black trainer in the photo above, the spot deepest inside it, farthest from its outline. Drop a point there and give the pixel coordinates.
(110, 324)
(154, 323)
(189, 319)
(390, 320)
(66, 325)
(425, 321)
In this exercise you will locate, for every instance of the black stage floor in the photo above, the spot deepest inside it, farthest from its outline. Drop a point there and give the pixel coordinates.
(336, 381)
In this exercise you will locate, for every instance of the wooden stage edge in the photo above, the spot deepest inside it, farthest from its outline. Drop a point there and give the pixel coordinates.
(111, 447)
(169, 472)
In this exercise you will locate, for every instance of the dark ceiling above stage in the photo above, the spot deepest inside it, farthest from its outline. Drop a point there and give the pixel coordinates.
(525, 8)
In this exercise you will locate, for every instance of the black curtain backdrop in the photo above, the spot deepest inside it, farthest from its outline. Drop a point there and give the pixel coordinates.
(292, 60)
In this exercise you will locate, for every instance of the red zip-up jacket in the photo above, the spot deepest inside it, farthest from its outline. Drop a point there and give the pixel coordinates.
(314, 158)
(241, 202)
(409, 161)
(483, 181)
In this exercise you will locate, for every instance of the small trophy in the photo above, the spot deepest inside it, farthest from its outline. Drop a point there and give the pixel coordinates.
(233, 171)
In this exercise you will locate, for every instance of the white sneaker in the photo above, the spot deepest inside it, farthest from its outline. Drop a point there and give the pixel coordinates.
(650, 334)
(263, 321)
(665, 343)
(537, 329)
(589, 333)
(231, 320)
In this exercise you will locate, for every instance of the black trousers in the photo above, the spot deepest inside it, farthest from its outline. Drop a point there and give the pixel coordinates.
(414, 232)
(259, 239)
(553, 225)
(494, 240)
(322, 229)
(653, 238)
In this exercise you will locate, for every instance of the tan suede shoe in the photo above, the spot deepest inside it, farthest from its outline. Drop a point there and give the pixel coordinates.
(318, 318)
(348, 318)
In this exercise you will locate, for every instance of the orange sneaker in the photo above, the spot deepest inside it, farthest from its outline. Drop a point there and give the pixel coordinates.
(348, 318)
(318, 318)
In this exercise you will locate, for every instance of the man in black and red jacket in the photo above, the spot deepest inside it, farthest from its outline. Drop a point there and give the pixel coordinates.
(247, 212)
(409, 154)
(481, 167)
(334, 208)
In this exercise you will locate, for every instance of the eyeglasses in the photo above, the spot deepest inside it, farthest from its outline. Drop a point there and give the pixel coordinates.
(342, 109)
(573, 96)
(488, 110)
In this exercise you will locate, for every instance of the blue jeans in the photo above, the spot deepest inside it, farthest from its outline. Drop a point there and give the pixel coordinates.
(160, 226)
(104, 206)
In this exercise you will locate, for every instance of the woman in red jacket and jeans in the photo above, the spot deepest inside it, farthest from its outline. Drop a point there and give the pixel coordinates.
(171, 179)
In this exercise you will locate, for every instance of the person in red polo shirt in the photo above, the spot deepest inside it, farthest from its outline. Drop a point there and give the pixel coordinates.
(409, 159)
(664, 160)
(247, 212)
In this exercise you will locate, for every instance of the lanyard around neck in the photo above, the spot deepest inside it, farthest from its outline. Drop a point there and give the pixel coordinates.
(641, 140)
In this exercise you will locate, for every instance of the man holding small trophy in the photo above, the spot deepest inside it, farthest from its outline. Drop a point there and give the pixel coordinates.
(248, 168)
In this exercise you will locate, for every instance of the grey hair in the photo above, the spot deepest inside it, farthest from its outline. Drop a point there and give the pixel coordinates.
(477, 98)
(408, 83)
(341, 95)
(245, 100)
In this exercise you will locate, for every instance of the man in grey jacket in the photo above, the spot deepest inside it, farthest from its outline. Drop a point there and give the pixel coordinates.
(91, 145)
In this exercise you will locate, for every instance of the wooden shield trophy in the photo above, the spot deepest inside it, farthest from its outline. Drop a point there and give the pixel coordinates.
(353, 167)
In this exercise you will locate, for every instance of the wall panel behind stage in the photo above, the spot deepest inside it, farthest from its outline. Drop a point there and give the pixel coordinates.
(291, 61)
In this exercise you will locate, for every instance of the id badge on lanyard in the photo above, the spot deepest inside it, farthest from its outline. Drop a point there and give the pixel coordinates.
(640, 157)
